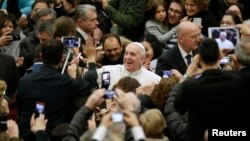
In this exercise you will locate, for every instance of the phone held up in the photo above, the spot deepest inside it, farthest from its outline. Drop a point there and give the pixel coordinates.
(225, 60)
(109, 94)
(117, 117)
(71, 42)
(40, 107)
(166, 73)
(105, 79)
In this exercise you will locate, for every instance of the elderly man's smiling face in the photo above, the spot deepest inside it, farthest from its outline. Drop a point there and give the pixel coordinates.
(133, 57)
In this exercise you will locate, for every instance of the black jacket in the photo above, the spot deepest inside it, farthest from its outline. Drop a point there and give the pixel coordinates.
(55, 90)
(215, 100)
(171, 59)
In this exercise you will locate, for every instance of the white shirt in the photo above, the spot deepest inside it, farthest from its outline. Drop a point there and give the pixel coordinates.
(144, 76)
(226, 44)
(184, 54)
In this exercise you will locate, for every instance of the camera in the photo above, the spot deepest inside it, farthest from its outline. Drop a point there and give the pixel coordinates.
(16, 36)
(109, 94)
(71, 42)
(166, 73)
(117, 117)
(40, 106)
(225, 60)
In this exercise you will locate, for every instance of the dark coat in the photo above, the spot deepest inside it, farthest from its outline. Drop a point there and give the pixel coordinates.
(214, 101)
(55, 90)
(171, 59)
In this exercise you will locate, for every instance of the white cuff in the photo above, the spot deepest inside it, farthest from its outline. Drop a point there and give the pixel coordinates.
(138, 133)
(100, 133)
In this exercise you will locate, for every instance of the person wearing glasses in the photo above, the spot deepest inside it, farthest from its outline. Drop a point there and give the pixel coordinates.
(230, 19)
(162, 22)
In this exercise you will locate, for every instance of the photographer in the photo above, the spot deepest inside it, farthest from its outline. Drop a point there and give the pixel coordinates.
(9, 39)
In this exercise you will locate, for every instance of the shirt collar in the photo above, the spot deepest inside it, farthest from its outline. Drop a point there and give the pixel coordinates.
(136, 73)
(84, 34)
(183, 52)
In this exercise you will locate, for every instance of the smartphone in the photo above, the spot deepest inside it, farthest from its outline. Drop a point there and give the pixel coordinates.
(117, 117)
(166, 73)
(225, 60)
(109, 94)
(197, 21)
(71, 42)
(105, 79)
(40, 107)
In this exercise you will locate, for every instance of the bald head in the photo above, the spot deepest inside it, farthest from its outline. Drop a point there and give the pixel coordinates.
(188, 36)
(186, 27)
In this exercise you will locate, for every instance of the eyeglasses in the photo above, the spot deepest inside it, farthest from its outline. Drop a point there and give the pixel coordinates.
(226, 23)
(175, 12)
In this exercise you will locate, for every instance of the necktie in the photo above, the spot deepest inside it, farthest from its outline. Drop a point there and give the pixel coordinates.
(188, 57)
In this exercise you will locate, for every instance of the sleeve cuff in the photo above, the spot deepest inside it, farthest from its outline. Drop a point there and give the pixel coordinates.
(100, 133)
(138, 133)
(92, 66)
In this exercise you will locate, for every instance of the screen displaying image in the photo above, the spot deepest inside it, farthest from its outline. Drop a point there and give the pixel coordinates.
(226, 37)
(71, 41)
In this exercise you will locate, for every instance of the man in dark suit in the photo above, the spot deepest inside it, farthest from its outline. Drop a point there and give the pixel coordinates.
(47, 85)
(178, 57)
(214, 100)
(87, 23)
(9, 73)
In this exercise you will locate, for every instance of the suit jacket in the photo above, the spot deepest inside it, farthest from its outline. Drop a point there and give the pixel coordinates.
(55, 90)
(171, 59)
(215, 100)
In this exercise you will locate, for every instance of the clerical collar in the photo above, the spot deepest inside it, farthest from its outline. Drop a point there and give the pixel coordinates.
(127, 73)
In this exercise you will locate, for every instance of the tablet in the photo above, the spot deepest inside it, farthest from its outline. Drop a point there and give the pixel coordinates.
(226, 37)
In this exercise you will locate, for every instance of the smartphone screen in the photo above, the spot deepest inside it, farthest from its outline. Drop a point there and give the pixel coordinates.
(166, 73)
(105, 79)
(197, 21)
(71, 42)
(40, 106)
(117, 117)
(109, 94)
(225, 60)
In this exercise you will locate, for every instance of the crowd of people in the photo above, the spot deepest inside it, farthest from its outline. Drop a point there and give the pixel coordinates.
(80, 70)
